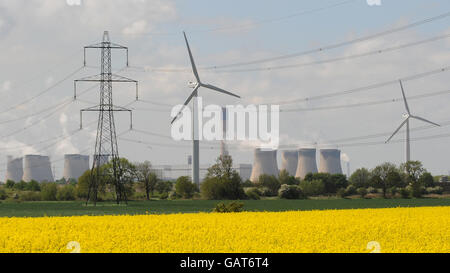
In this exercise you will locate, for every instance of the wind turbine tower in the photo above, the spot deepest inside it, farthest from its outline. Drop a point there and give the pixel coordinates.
(194, 95)
(407, 118)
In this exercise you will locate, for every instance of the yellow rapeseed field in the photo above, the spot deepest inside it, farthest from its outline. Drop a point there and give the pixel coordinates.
(388, 230)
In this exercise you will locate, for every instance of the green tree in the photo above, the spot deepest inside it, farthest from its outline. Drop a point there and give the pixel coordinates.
(414, 170)
(286, 179)
(184, 187)
(222, 182)
(426, 179)
(48, 191)
(21, 186)
(65, 193)
(164, 186)
(10, 184)
(380, 176)
(147, 178)
(270, 182)
(127, 177)
(33, 186)
(360, 178)
(312, 188)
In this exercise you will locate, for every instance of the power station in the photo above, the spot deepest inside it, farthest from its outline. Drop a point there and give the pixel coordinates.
(307, 162)
(14, 169)
(75, 166)
(330, 161)
(37, 168)
(265, 162)
(289, 162)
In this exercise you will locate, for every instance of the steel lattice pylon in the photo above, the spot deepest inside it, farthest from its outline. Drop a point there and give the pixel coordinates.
(106, 148)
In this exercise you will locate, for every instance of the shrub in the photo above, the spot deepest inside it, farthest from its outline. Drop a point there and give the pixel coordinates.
(173, 195)
(342, 193)
(434, 190)
(30, 196)
(392, 191)
(289, 192)
(371, 190)
(21, 186)
(223, 188)
(184, 187)
(66, 193)
(10, 184)
(253, 194)
(48, 192)
(270, 182)
(312, 188)
(3, 194)
(362, 191)
(405, 193)
(350, 190)
(230, 207)
(164, 196)
(33, 186)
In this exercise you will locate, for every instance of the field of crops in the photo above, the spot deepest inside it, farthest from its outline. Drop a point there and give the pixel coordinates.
(424, 229)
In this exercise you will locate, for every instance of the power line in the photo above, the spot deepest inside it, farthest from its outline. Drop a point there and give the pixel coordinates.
(364, 88)
(332, 46)
(369, 103)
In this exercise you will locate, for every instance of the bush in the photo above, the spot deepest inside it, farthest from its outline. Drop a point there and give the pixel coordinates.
(350, 190)
(217, 188)
(66, 193)
(434, 190)
(21, 186)
(30, 196)
(33, 186)
(185, 188)
(173, 195)
(289, 192)
(342, 193)
(392, 191)
(362, 191)
(312, 188)
(3, 194)
(372, 190)
(49, 191)
(405, 193)
(10, 184)
(270, 182)
(253, 194)
(164, 196)
(230, 207)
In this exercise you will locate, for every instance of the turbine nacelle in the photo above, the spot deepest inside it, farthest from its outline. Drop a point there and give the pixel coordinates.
(192, 84)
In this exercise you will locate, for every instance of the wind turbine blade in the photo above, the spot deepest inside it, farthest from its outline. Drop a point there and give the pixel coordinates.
(425, 120)
(398, 129)
(212, 87)
(194, 68)
(404, 98)
(185, 104)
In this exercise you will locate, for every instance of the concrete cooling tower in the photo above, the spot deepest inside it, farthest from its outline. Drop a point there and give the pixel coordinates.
(289, 160)
(306, 163)
(14, 169)
(75, 166)
(265, 162)
(37, 168)
(330, 161)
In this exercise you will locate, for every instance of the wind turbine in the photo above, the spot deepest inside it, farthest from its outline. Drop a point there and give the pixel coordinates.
(196, 86)
(407, 117)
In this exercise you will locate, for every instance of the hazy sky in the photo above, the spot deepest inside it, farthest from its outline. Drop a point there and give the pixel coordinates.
(41, 45)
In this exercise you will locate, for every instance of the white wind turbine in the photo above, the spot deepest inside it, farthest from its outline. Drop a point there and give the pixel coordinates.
(196, 85)
(407, 117)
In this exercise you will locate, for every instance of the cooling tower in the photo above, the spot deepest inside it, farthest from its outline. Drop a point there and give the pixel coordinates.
(37, 168)
(265, 162)
(75, 166)
(289, 161)
(330, 161)
(306, 163)
(14, 169)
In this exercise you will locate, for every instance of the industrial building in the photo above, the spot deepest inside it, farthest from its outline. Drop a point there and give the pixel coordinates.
(330, 161)
(289, 162)
(38, 168)
(14, 169)
(75, 165)
(307, 162)
(265, 162)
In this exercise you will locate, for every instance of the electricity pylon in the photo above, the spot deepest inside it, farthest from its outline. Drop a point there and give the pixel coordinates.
(106, 148)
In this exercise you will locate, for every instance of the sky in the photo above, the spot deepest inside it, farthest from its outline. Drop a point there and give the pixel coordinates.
(41, 45)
